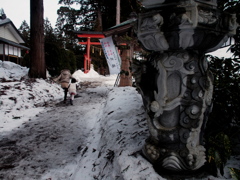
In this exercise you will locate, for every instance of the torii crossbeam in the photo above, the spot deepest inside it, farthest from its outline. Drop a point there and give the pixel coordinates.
(89, 35)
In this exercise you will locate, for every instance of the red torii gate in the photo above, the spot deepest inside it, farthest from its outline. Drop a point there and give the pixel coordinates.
(88, 35)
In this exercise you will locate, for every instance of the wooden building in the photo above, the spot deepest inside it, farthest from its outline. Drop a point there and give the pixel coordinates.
(10, 41)
(125, 39)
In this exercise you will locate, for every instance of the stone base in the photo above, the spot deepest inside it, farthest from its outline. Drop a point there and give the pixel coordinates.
(183, 175)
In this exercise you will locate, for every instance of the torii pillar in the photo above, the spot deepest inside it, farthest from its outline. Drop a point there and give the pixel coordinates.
(89, 35)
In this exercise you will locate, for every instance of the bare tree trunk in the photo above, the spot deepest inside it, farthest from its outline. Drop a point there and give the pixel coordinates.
(99, 19)
(118, 12)
(37, 56)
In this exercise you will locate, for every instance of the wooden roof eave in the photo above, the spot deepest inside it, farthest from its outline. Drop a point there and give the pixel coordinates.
(118, 30)
(5, 41)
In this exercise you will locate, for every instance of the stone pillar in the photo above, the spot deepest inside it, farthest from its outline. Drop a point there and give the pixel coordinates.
(175, 83)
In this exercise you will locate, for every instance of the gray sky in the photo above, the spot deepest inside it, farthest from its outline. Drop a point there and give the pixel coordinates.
(19, 10)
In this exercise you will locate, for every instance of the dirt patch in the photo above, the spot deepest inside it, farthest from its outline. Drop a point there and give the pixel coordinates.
(11, 154)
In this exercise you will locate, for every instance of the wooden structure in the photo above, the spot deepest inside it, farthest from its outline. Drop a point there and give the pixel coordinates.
(88, 35)
(120, 33)
(123, 35)
(10, 41)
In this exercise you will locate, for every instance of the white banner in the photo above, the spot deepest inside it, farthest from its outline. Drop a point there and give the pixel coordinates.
(111, 54)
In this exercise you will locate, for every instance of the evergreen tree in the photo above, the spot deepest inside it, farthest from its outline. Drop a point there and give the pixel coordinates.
(25, 32)
(52, 49)
(56, 56)
(89, 15)
(226, 72)
(232, 7)
(223, 127)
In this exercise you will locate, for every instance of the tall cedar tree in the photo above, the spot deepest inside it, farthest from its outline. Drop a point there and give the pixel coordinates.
(37, 55)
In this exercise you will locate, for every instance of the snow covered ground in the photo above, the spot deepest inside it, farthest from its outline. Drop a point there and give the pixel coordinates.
(221, 53)
(98, 138)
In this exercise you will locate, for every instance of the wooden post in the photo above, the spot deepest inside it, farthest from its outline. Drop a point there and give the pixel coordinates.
(118, 12)
(125, 78)
(4, 53)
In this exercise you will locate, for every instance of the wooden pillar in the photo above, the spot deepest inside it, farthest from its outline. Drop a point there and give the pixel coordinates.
(126, 76)
(118, 12)
(4, 53)
(87, 56)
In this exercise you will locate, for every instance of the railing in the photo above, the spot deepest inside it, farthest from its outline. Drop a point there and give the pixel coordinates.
(117, 80)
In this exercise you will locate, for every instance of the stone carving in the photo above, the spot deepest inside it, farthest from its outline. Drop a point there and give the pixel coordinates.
(175, 118)
(151, 35)
(231, 23)
(151, 3)
(175, 83)
(206, 17)
(186, 31)
(183, 28)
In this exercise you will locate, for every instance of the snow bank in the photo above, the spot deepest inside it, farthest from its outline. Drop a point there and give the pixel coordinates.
(118, 138)
(12, 71)
(92, 76)
(22, 99)
(79, 75)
